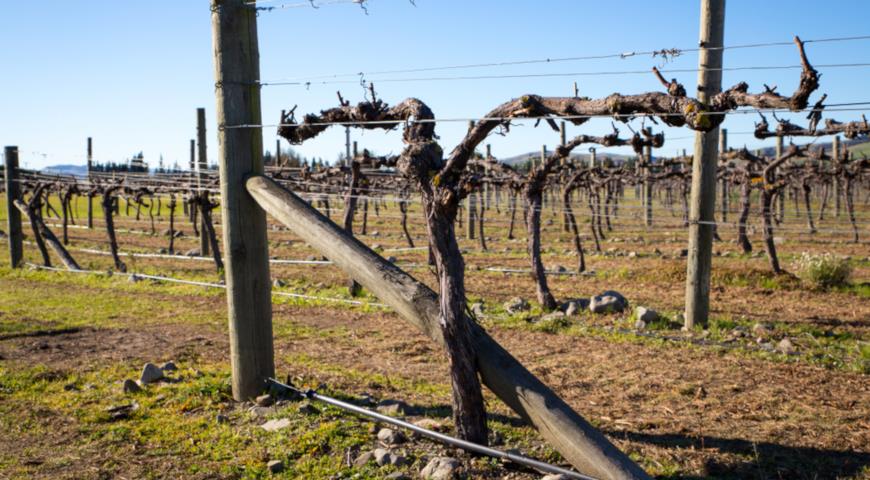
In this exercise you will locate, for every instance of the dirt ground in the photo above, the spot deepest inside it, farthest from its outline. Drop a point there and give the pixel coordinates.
(685, 409)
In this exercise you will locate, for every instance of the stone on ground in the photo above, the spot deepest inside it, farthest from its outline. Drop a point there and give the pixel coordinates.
(608, 302)
(131, 386)
(275, 466)
(441, 468)
(150, 374)
(517, 304)
(646, 315)
(275, 425)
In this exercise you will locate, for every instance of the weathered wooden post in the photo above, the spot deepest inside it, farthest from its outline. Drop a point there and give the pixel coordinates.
(581, 444)
(835, 159)
(703, 197)
(90, 196)
(781, 195)
(240, 155)
(472, 204)
(202, 165)
(724, 200)
(13, 216)
(647, 183)
(277, 153)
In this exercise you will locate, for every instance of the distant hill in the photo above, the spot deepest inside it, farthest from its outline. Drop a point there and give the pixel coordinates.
(75, 170)
(578, 158)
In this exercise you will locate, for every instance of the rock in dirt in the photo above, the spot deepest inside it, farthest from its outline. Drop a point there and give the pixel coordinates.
(193, 252)
(762, 331)
(130, 386)
(275, 425)
(430, 424)
(278, 283)
(517, 304)
(169, 367)
(555, 476)
(646, 315)
(265, 400)
(572, 309)
(397, 476)
(386, 457)
(441, 468)
(394, 407)
(786, 346)
(275, 466)
(122, 412)
(388, 436)
(363, 459)
(608, 302)
(477, 309)
(150, 374)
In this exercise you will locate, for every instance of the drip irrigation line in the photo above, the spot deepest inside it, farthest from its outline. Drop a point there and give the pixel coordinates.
(440, 437)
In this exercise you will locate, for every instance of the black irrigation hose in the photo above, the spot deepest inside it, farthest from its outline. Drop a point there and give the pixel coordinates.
(446, 439)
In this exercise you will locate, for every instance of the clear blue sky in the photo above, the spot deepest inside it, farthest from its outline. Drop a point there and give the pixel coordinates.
(131, 74)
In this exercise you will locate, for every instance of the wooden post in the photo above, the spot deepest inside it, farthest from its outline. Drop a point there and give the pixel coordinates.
(347, 158)
(487, 193)
(703, 195)
(13, 216)
(580, 443)
(647, 183)
(835, 157)
(277, 161)
(90, 197)
(724, 200)
(240, 155)
(592, 151)
(472, 205)
(202, 165)
(781, 195)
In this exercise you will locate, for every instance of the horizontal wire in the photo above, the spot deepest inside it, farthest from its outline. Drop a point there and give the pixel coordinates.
(621, 55)
(563, 74)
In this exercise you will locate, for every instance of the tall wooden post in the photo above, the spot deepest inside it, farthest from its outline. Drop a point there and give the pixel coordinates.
(90, 197)
(278, 152)
(724, 199)
(347, 159)
(647, 183)
(835, 157)
(202, 167)
(781, 196)
(703, 197)
(13, 216)
(487, 192)
(240, 155)
(592, 151)
(472, 205)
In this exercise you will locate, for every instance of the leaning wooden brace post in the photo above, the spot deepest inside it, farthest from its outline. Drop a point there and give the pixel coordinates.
(202, 165)
(240, 155)
(583, 446)
(46, 234)
(13, 217)
(703, 201)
